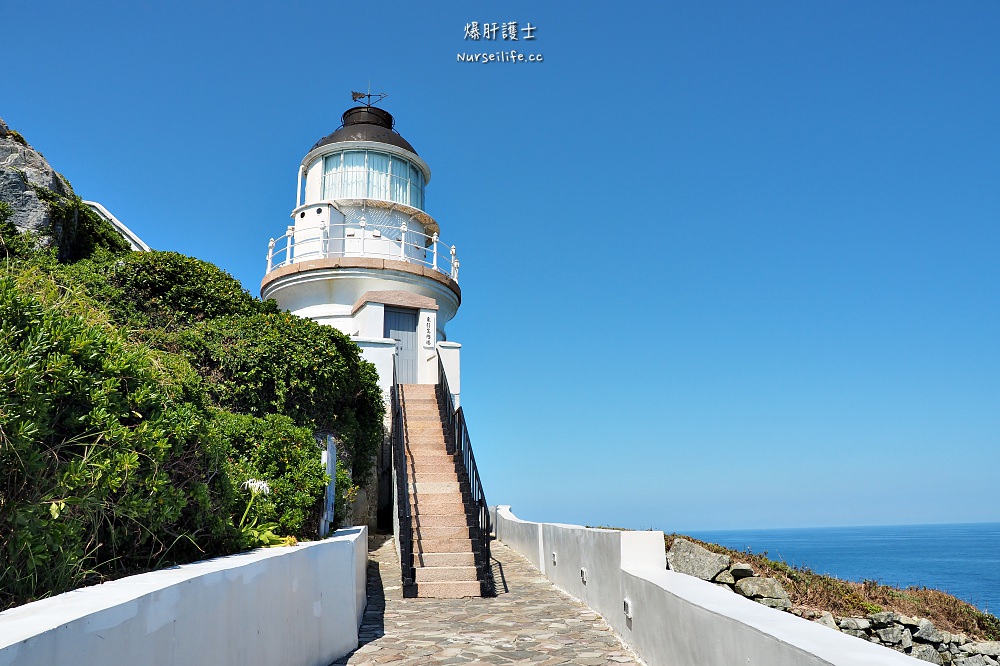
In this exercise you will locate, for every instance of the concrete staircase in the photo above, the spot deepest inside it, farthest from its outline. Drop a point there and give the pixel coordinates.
(443, 554)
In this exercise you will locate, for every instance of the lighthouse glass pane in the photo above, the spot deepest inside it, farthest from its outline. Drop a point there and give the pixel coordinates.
(400, 184)
(332, 173)
(355, 175)
(378, 175)
(416, 187)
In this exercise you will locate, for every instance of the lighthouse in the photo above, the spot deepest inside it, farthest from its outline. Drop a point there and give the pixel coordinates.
(362, 254)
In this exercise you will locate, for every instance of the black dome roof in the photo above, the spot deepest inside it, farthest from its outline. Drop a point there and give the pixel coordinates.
(366, 123)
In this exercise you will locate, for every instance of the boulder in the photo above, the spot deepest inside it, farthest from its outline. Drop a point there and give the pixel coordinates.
(926, 653)
(987, 648)
(857, 633)
(691, 559)
(883, 619)
(725, 577)
(975, 660)
(927, 633)
(856, 623)
(780, 604)
(826, 619)
(755, 587)
(741, 570)
(892, 635)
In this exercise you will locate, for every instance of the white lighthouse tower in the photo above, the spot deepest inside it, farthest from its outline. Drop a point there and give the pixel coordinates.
(362, 254)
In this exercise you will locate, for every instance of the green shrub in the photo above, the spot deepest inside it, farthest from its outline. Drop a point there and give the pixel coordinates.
(77, 230)
(274, 450)
(103, 468)
(164, 289)
(284, 364)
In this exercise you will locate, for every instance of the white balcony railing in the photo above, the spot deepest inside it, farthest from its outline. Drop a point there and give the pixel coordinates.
(360, 239)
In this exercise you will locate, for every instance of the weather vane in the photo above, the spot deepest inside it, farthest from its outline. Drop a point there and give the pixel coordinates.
(359, 96)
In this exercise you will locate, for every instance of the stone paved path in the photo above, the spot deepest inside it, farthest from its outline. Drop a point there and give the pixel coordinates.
(529, 623)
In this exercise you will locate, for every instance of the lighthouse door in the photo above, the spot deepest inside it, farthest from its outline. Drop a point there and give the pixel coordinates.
(401, 326)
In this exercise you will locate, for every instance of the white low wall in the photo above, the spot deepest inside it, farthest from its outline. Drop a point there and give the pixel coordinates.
(676, 620)
(294, 606)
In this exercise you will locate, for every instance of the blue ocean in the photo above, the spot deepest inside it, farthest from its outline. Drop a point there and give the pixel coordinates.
(963, 560)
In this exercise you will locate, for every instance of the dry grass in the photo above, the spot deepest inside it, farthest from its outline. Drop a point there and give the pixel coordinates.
(841, 597)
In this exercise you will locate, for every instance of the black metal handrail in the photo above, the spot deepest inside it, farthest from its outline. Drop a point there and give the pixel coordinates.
(404, 512)
(460, 437)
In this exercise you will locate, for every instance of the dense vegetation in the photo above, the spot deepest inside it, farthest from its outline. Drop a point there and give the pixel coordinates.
(840, 597)
(144, 396)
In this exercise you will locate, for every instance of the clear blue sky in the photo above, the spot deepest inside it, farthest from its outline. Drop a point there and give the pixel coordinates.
(724, 264)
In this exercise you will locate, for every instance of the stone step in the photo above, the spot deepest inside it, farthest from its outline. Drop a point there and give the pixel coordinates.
(421, 467)
(449, 590)
(436, 477)
(446, 559)
(434, 487)
(427, 445)
(444, 574)
(442, 545)
(426, 435)
(429, 468)
(419, 401)
(424, 431)
(440, 520)
(418, 455)
(423, 416)
(423, 408)
(436, 505)
(460, 532)
(420, 388)
(431, 465)
(416, 425)
(426, 451)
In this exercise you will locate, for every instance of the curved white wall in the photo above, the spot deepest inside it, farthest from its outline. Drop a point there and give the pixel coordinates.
(294, 606)
(677, 620)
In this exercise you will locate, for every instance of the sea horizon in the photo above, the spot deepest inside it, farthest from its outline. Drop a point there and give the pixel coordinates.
(962, 559)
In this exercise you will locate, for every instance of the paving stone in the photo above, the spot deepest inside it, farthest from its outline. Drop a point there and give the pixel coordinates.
(529, 623)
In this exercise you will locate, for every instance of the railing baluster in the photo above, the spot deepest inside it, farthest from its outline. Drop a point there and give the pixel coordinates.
(320, 239)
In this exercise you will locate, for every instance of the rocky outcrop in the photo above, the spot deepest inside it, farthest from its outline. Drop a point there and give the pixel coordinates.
(22, 170)
(917, 637)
